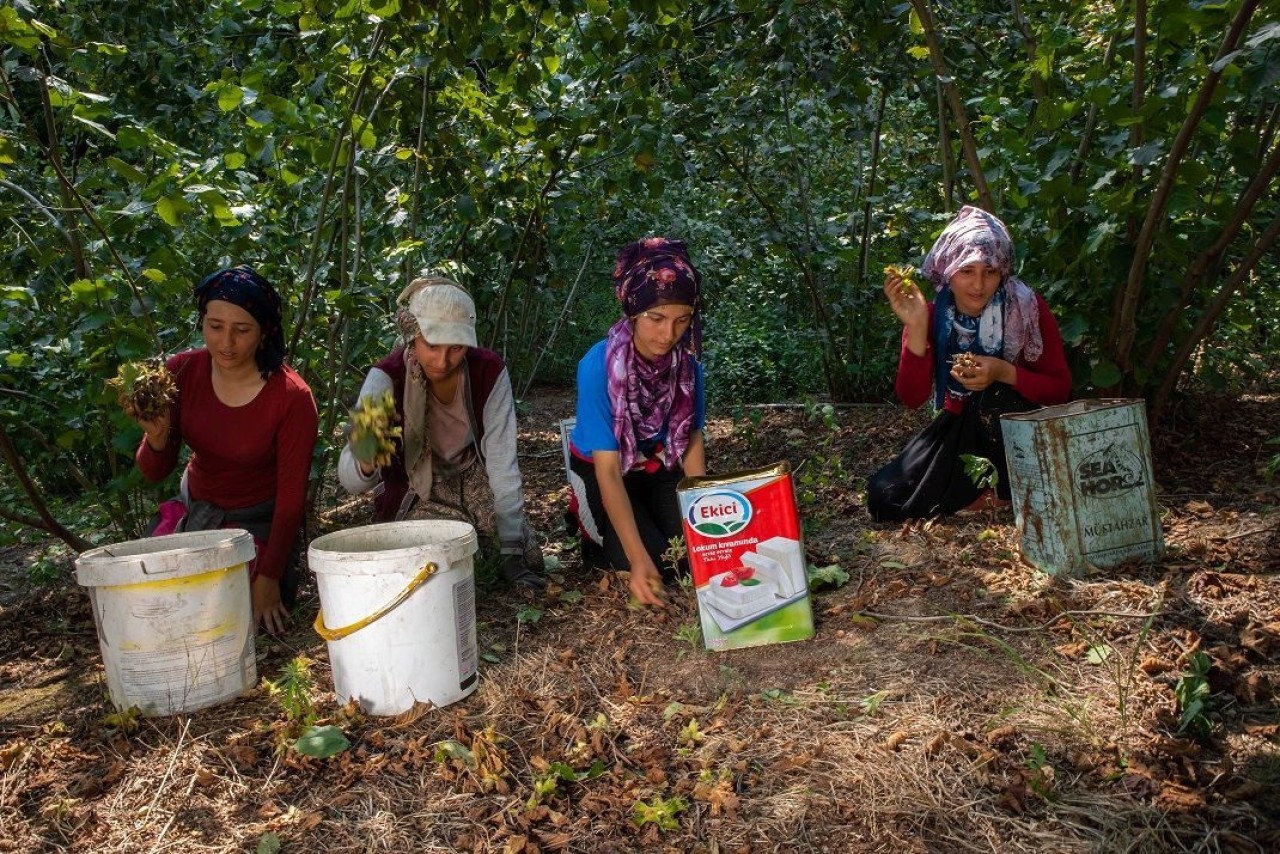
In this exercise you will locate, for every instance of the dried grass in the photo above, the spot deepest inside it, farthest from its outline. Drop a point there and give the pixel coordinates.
(928, 731)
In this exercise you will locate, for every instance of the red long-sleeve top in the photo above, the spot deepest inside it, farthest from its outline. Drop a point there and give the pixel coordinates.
(242, 455)
(1046, 381)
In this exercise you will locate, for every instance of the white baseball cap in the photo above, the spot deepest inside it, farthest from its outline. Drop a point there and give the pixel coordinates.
(446, 314)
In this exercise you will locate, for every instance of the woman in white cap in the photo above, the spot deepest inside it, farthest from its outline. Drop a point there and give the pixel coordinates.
(457, 458)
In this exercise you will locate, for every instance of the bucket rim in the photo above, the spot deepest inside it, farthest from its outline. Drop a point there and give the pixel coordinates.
(326, 555)
(164, 558)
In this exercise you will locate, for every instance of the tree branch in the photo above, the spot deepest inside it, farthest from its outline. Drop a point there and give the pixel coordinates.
(1209, 319)
(46, 521)
(1124, 326)
(1211, 256)
(958, 114)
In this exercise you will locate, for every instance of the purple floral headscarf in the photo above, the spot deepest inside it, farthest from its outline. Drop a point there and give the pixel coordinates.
(1009, 325)
(650, 396)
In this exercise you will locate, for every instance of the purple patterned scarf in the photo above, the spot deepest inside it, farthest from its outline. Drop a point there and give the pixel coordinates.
(650, 396)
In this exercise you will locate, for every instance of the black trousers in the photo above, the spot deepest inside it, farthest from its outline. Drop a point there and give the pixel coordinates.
(653, 503)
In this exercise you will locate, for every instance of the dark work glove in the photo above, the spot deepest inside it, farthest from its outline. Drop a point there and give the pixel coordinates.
(517, 572)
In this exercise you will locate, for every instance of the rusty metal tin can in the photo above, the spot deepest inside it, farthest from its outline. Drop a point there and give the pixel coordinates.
(1083, 487)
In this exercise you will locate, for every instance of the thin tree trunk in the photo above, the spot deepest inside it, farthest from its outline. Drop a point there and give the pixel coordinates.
(1091, 119)
(555, 330)
(64, 185)
(830, 351)
(313, 258)
(1137, 132)
(72, 198)
(1124, 328)
(40, 206)
(46, 521)
(1038, 89)
(877, 134)
(1211, 256)
(1209, 319)
(407, 270)
(944, 151)
(864, 248)
(959, 116)
(500, 313)
(116, 514)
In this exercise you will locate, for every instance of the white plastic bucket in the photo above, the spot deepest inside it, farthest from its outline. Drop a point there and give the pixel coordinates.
(398, 609)
(175, 619)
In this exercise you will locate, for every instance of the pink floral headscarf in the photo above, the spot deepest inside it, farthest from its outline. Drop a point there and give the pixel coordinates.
(1010, 324)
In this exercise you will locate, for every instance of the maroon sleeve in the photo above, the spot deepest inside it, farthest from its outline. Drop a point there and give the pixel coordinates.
(295, 440)
(1047, 381)
(915, 373)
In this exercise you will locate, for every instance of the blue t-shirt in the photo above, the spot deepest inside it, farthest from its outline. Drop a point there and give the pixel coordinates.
(593, 430)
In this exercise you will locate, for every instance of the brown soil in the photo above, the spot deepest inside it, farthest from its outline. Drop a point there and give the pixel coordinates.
(985, 706)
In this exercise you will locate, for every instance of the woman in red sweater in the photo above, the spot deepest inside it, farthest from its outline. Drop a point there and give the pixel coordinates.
(250, 422)
(1011, 359)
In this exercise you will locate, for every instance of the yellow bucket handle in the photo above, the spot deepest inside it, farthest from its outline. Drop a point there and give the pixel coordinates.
(338, 634)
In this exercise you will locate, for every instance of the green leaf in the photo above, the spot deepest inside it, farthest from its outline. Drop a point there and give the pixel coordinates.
(16, 31)
(365, 447)
(130, 137)
(233, 159)
(551, 62)
(321, 742)
(171, 208)
(1098, 653)
(229, 97)
(528, 615)
(466, 207)
(1105, 374)
(269, 843)
(89, 288)
(1073, 328)
(833, 575)
(125, 170)
(451, 749)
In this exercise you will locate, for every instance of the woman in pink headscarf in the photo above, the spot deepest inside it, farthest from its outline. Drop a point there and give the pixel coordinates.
(1011, 360)
(640, 414)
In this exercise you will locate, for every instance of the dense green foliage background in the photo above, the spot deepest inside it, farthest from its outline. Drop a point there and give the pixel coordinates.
(341, 146)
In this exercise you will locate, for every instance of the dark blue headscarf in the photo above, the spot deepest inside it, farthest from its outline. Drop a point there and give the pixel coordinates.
(242, 286)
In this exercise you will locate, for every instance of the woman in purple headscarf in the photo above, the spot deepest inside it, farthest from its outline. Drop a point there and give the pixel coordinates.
(640, 415)
(250, 422)
(985, 346)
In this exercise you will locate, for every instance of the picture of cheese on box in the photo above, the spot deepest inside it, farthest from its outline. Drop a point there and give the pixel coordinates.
(749, 569)
(760, 584)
